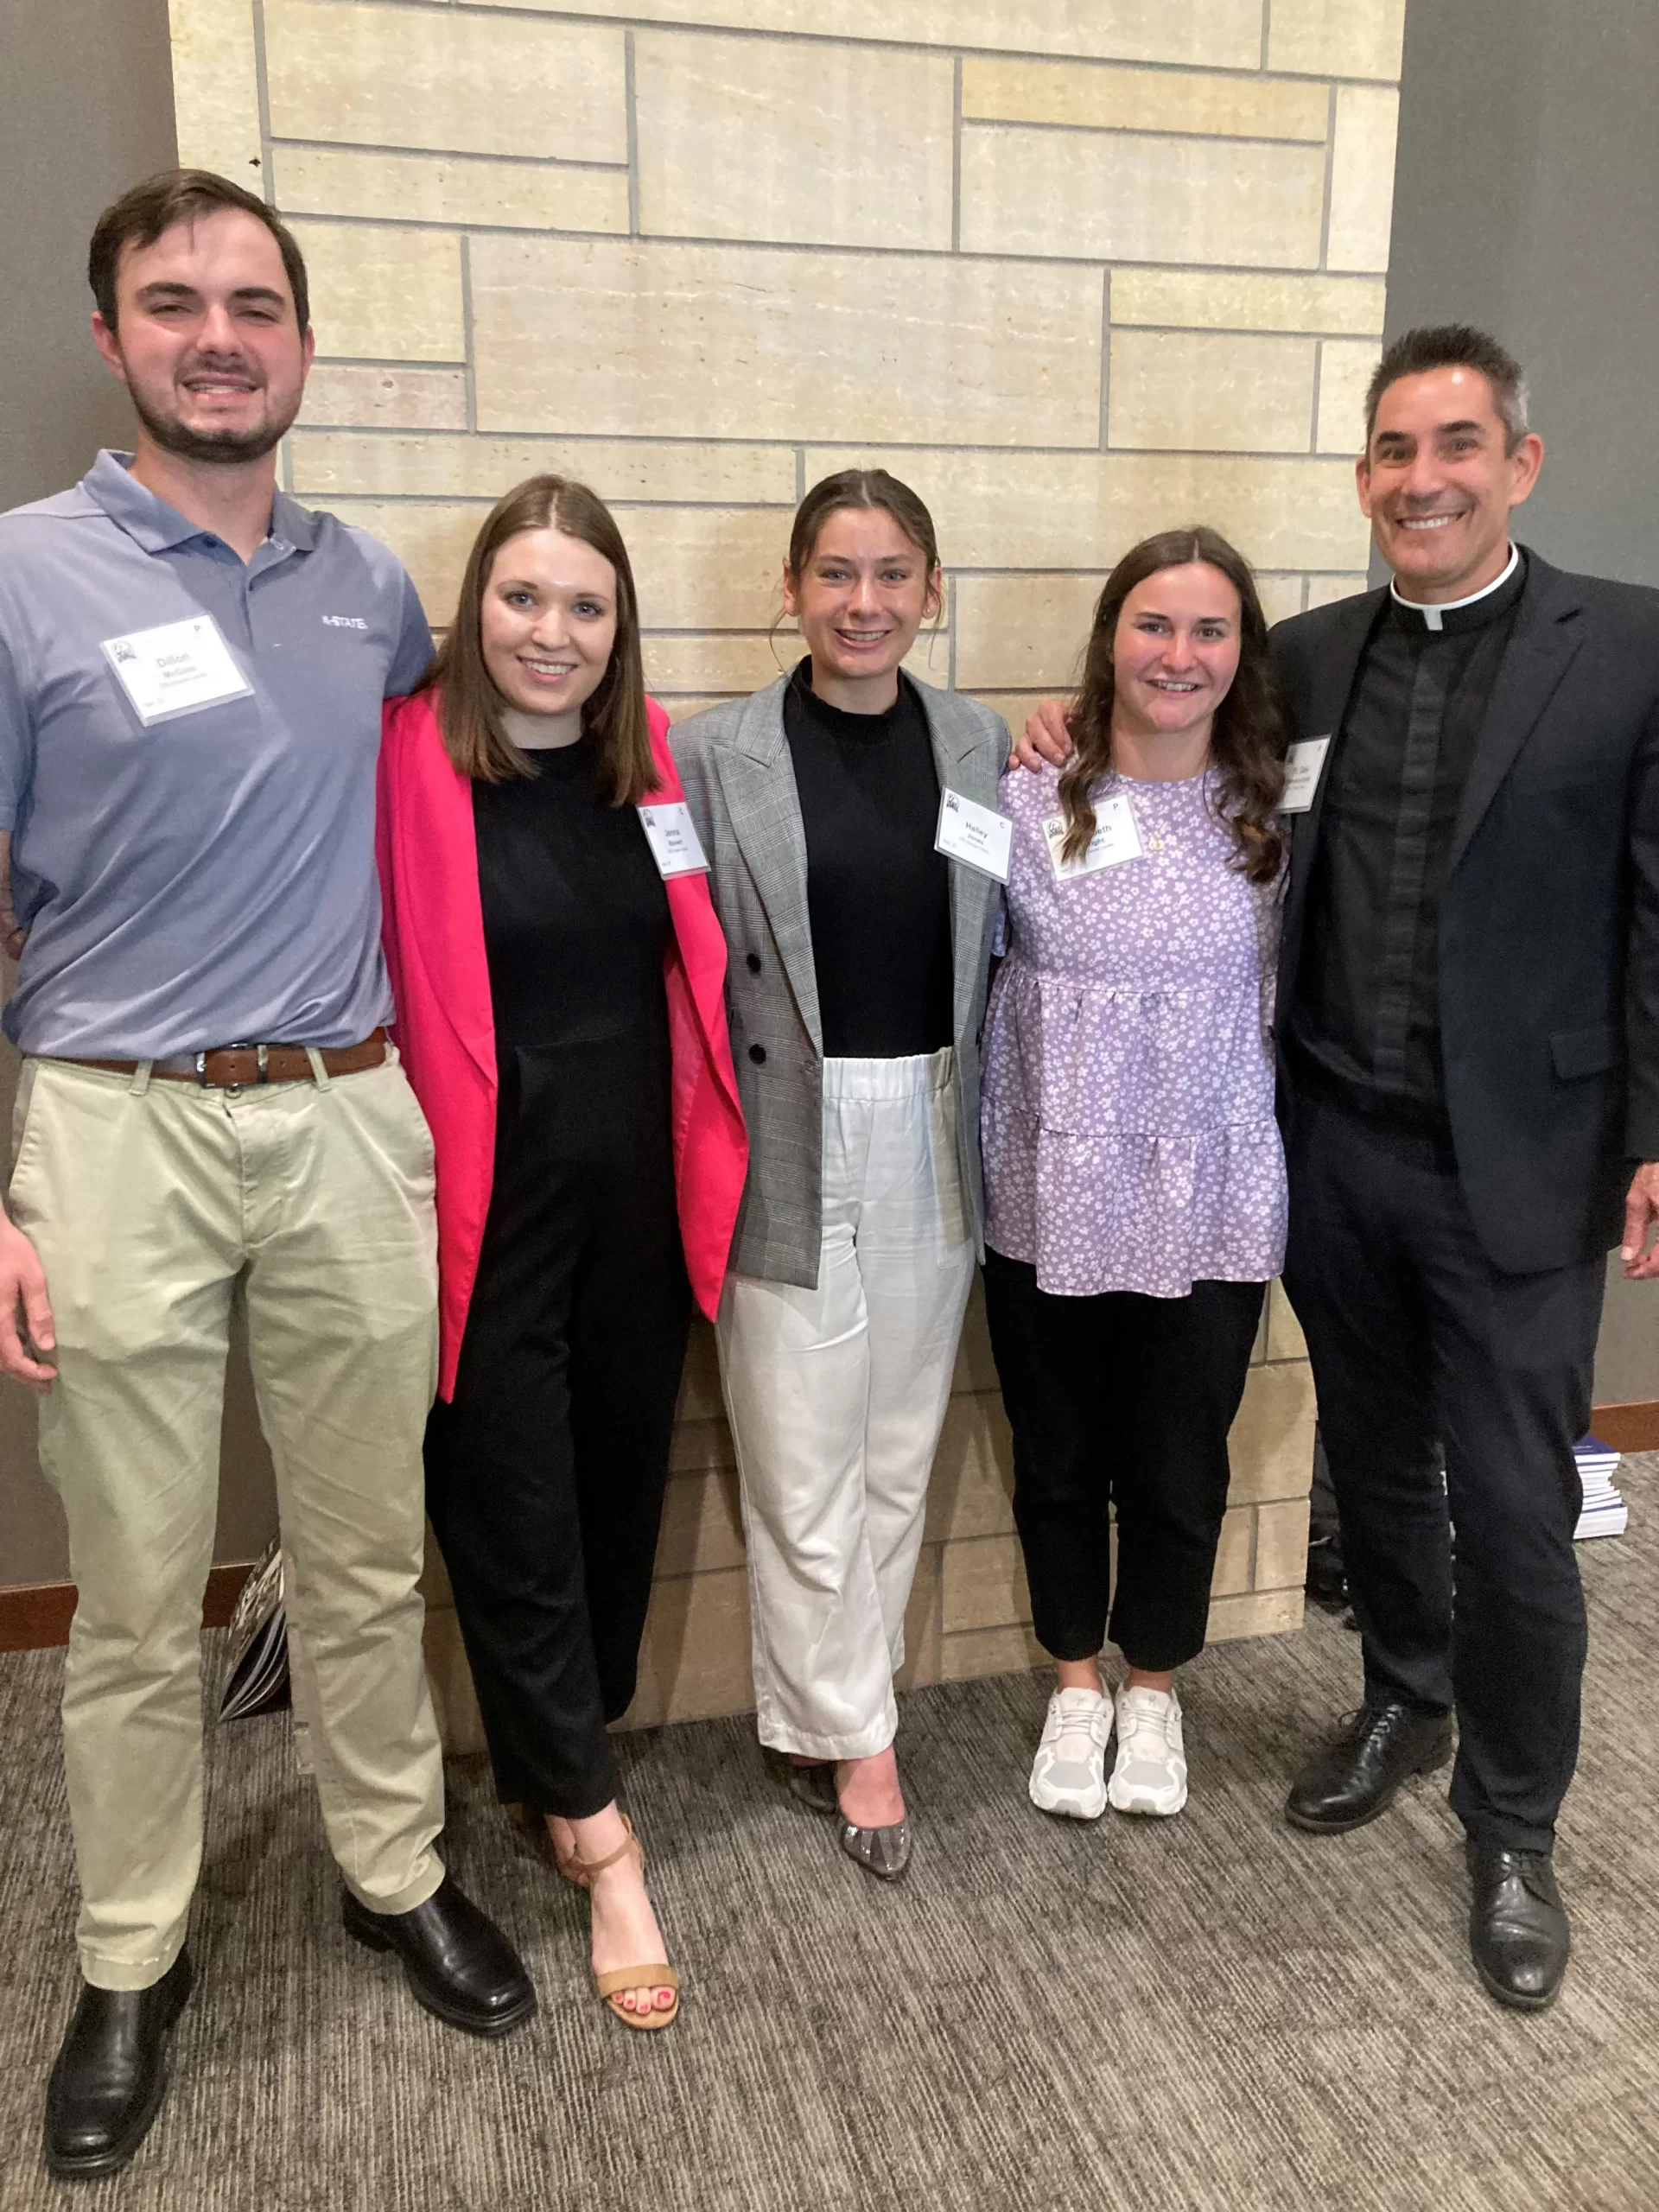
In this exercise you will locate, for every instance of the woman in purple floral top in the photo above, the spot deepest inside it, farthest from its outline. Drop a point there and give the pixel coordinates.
(1134, 1183)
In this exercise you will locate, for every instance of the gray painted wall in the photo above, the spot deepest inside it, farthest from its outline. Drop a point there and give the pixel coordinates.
(1527, 200)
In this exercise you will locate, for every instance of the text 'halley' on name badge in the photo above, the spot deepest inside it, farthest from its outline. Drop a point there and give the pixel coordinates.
(1303, 764)
(977, 836)
(175, 669)
(1117, 839)
(672, 836)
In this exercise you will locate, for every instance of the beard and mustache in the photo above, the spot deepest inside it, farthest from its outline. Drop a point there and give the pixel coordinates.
(227, 447)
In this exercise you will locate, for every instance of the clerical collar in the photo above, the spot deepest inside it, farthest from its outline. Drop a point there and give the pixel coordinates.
(1470, 614)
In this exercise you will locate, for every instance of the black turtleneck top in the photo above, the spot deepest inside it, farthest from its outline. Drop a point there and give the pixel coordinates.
(878, 895)
(1365, 1024)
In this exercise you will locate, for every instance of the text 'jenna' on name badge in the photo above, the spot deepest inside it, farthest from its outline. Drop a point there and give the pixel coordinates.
(1303, 763)
(175, 668)
(672, 836)
(976, 834)
(1117, 839)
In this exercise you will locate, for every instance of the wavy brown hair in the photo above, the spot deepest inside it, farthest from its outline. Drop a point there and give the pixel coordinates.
(469, 706)
(1248, 741)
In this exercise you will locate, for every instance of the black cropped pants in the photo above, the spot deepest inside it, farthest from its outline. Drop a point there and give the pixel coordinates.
(544, 1477)
(1119, 1402)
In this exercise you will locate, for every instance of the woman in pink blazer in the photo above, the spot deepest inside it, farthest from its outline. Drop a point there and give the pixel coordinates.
(559, 976)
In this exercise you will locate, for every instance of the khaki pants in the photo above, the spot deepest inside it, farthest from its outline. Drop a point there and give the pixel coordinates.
(153, 1204)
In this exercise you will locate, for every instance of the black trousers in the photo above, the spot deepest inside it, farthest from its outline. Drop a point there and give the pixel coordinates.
(1417, 1342)
(1123, 1401)
(544, 1477)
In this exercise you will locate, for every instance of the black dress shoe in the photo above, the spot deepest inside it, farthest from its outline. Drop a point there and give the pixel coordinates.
(456, 1960)
(107, 2085)
(1359, 1775)
(1327, 1578)
(1517, 1925)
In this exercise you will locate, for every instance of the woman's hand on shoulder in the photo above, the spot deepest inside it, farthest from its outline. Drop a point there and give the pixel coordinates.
(1046, 741)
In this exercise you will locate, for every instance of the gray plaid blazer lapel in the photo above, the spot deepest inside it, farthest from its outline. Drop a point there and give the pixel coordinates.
(756, 779)
(967, 758)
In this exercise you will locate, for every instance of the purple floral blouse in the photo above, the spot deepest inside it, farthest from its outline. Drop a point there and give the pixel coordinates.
(1128, 1121)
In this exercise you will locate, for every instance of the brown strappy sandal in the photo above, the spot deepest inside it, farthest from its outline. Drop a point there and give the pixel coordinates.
(657, 1974)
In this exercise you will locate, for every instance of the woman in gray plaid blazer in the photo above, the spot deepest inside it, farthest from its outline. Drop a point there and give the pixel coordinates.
(859, 955)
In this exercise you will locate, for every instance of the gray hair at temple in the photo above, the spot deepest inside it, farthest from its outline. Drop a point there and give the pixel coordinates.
(1454, 346)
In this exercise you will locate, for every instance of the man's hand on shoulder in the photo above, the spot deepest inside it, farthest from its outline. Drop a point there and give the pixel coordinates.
(1047, 738)
(23, 1300)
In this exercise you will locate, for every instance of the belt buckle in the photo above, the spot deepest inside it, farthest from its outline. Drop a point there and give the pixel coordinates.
(262, 1055)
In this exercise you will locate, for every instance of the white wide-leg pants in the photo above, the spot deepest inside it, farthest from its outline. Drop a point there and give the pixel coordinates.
(836, 1396)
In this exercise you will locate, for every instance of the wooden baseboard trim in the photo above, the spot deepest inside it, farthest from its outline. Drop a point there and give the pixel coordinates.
(35, 1615)
(1633, 1426)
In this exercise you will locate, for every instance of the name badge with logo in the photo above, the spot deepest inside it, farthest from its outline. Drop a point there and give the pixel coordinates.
(175, 669)
(977, 836)
(1304, 762)
(1117, 839)
(672, 836)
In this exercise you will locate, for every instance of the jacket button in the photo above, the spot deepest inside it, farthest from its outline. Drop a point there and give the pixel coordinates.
(754, 963)
(758, 1054)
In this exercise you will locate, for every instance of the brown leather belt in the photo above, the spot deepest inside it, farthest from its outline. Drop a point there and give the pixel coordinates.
(236, 1067)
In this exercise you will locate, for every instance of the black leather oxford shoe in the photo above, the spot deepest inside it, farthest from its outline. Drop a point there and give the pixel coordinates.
(456, 1960)
(1518, 1929)
(1359, 1775)
(107, 2085)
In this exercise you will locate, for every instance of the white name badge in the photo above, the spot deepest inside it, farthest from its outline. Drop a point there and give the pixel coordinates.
(1303, 764)
(672, 836)
(175, 669)
(1117, 839)
(976, 834)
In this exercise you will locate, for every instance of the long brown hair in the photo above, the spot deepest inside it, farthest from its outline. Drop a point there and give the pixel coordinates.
(469, 706)
(860, 487)
(1247, 742)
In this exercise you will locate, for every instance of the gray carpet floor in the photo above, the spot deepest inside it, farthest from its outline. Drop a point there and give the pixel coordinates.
(1210, 2012)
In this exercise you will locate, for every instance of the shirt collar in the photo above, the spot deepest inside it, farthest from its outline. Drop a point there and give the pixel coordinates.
(150, 523)
(1433, 618)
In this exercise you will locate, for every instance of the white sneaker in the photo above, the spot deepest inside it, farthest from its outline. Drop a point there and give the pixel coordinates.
(1150, 1776)
(1068, 1772)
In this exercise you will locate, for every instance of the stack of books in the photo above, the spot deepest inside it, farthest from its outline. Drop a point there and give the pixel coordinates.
(1605, 1513)
(256, 1662)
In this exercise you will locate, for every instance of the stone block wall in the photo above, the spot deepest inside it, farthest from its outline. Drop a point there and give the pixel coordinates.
(1076, 269)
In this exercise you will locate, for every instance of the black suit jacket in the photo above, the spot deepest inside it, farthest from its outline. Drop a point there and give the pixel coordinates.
(1549, 923)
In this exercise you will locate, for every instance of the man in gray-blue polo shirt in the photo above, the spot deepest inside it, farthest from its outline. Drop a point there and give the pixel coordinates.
(191, 672)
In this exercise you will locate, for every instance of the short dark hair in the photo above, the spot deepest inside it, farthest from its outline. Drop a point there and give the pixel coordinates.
(1453, 345)
(139, 217)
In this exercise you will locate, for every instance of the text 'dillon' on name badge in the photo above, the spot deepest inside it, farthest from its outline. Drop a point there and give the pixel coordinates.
(1117, 839)
(1303, 765)
(976, 834)
(672, 836)
(175, 669)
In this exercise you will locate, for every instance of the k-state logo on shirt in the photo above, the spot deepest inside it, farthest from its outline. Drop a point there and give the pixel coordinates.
(346, 621)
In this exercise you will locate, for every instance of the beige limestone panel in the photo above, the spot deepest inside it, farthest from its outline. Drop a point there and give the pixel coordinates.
(1345, 367)
(975, 1368)
(1323, 591)
(1280, 595)
(1233, 1554)
(702, 1529)
(681, 710)
(1023, 632)
(1187, 390)
(483, 469)
(706, 568)
(1271, 1446)
(449, 188)
(1086, 195)
(459, 84)
(216, 88)
(454, 1702)
(1361, 177)
(379, 293)
(1259, 1349)
(430, 540)
(998, 511)
(699, 1398)
(1234, 299)
(383, 399)
(699, 1445)
(972, 1654)
(737, 662)
(1213, 33)
(998, 91)
(1338, 38)
(1014, 706)
(743, 138)
(1263, 1612)
(694, 1659)
(738, 341)
(984, 1583)
(970, 1492)
(921, 1663)
(1285, 1338)
(1282, 1545)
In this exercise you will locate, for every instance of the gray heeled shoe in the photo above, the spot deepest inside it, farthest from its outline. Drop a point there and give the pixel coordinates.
(884, 1853)
(814, 1785)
